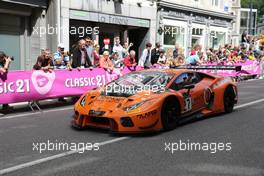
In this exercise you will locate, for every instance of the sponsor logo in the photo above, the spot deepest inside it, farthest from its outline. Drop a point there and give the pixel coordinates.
(42, 81)
(146, 115)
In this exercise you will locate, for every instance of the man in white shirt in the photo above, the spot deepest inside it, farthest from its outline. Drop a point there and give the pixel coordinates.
(145, 59)
(118, 48)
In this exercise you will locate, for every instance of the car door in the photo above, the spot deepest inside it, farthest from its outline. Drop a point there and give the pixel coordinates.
(193, 98)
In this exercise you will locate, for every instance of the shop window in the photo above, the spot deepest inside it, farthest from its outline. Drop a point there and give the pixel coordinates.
(173, 34)
(217, 39)
(197, 31)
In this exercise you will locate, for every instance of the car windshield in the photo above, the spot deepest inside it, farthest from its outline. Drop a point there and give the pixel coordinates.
(138, 81)
(145, 78)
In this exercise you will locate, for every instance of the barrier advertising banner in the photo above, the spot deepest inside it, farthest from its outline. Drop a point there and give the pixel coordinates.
(22, 86)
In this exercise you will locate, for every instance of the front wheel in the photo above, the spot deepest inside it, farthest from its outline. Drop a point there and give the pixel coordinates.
(229, 99)
(170, 114)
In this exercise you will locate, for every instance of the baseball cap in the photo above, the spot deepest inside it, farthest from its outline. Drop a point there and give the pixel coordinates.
(60, 45)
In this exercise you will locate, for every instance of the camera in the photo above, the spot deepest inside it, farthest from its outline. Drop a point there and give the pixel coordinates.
(3, 56)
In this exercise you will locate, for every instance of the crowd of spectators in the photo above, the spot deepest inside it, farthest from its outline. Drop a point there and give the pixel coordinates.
(86, 54)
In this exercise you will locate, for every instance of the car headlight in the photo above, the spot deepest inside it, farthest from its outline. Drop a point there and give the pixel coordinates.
(135, 106)
(83, 101)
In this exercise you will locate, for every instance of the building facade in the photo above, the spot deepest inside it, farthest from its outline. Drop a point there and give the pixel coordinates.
(261, 26)
(236, 11)
(100, 19)
(20, 26)
(192, 22)
(245, 21)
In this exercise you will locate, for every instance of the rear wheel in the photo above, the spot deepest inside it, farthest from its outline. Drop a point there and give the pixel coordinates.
(170, 113)
(229, 99)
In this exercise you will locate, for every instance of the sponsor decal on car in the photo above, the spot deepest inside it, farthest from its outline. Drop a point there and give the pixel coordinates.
(146, 115)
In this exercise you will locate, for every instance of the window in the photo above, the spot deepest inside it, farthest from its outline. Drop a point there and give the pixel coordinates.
(215, 2)
(217, 39)
(243, 22)
(185, 79)
(174, 34)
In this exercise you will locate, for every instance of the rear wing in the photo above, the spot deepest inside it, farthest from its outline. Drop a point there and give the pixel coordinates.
(209, 67)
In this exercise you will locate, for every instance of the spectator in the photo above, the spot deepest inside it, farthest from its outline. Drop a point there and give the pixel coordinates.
(61, 58)
(193, 60)
(244, 37)
(117, 62)
(195, 50)
(89, 49)
(180, 60)
(5, 62)
(130, 60)
(44, 61)
(96, 55)
(145, 60)
(105, 62)
(162, 58)
(118, 48)
(245, 40)
(61, 61)
(170, 60)
(155, 53)
(176, 51)
(126, 49)
(80, 57)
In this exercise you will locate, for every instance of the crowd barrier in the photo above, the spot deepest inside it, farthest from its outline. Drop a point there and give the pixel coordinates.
(25, 86)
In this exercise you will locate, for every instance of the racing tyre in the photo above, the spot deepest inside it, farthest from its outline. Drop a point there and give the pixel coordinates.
(170, 113)
(229, 99)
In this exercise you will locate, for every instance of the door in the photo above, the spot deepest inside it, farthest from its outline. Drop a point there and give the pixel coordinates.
(10, 32)
(194, 97)
(10, 44)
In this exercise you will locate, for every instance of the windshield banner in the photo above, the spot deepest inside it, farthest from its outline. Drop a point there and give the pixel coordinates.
(247, 68)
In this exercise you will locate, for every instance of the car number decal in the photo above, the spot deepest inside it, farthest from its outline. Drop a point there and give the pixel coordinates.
(188, 104)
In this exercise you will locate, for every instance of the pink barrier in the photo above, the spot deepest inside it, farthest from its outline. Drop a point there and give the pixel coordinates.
(22, 86)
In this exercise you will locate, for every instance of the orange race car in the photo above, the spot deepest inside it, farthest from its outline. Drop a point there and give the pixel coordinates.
(154, 100)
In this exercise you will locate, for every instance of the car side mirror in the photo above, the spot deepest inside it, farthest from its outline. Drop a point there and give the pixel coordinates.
(190, 86)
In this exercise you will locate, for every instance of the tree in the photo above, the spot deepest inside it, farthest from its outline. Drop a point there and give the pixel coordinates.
(257, 4)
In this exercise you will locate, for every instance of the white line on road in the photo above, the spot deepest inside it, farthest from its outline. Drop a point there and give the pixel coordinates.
(43, 160)
(34, 113)
(249, 104)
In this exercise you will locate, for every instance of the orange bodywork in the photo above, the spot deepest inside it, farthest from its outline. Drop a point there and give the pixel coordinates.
(109, 112)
